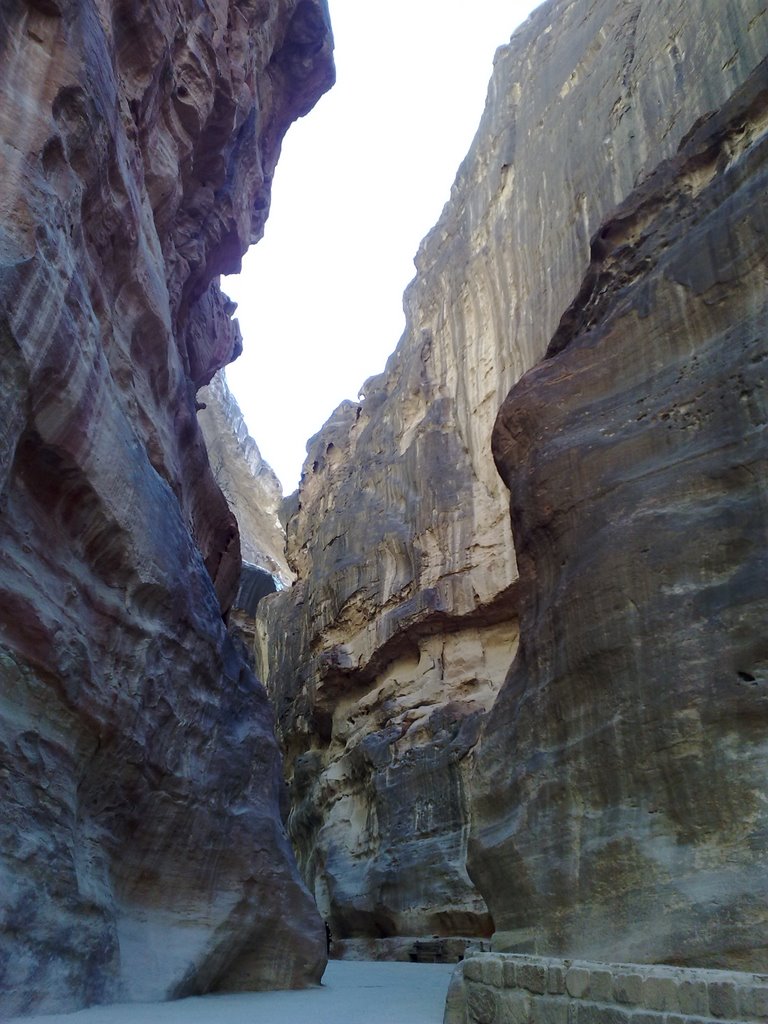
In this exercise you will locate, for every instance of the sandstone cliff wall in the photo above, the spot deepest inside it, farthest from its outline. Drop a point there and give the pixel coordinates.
(141, 849)
(249, 484)
(631, 821)
(385, 658)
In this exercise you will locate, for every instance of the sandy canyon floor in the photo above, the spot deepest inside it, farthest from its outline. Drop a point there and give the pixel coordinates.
(351, 993)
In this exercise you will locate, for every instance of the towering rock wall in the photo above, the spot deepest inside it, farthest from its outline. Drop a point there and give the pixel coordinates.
(142, 853)
(386, 656)
(631, 820)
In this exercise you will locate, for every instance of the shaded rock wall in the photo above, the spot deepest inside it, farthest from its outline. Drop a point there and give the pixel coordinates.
(141, 849)
(631, 820)
(386, 656)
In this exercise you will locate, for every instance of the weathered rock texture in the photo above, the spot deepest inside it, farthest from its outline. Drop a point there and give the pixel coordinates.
(389, 651)
(631, 820)
(254, 495)
(531, 989)
(378, 720)
(141, 849)
(249, 484)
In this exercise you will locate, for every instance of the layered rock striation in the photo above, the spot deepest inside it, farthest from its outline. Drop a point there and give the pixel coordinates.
(142, 853)
(253, 492)
(389, 652)
(631, 821)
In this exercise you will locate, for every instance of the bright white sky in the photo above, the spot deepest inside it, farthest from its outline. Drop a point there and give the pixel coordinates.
(360, 181)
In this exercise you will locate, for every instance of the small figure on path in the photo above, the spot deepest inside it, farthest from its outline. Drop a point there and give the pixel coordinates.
(327, 939)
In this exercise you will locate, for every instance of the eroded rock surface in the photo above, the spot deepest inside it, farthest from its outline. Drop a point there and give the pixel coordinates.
(249, 484)
(142, 853)
(387, 654)
(630, 821)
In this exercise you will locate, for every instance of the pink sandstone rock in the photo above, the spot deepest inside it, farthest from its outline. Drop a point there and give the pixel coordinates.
(142, 853)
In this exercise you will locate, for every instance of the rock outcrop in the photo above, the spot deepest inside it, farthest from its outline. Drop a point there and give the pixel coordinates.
(142, 853)
(387, 655)
(254, 495)
(249, 484)
(631, 821)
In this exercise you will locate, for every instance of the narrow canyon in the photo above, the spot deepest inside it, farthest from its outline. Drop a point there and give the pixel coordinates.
(551, 735)
(496, 691)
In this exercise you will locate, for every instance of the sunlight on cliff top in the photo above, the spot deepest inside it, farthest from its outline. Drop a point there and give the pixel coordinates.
(360, 181)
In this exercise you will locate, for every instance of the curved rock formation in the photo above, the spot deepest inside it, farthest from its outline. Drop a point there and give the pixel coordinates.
(631, 820)
(141, 849)
(388, 652)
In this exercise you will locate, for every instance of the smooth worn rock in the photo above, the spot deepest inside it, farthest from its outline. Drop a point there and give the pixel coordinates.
(394, 643)
(630, 821)
(142, 853)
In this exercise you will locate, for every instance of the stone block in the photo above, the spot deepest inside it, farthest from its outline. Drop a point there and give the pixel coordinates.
(723, 1001)
(509, 969)
(577, 982)
(483, 1005)
(628, 988)
(473, 968)
(516, 1006)
(601, 986)
(660, 993)
(588, 1012)
(693, 997)
(533, 977)
(753, 1002)
(493, 973)
(556, 979)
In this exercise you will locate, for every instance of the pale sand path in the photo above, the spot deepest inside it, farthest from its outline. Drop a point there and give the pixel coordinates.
(353, 992)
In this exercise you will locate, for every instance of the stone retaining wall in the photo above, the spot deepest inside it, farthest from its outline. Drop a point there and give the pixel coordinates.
(517, 989)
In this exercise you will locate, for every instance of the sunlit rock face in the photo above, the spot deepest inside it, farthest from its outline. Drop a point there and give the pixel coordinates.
(630, 822)
(254, 495)
(142, 853)
(389, 652)
(250, 486)
(380, 685)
